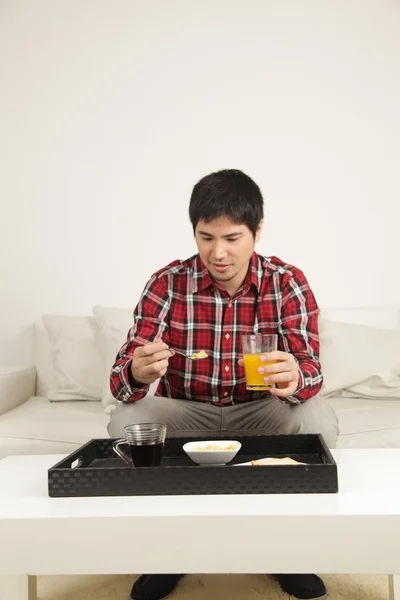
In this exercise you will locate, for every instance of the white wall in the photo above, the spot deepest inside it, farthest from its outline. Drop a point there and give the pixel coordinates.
(111, 112)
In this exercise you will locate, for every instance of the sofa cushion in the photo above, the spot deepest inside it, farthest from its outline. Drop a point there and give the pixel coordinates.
(357, 415)
(42, 427)
(367, 423)
(365, 361)
(42, 358)
(53, 423)
(115, 324)
(25, 446)
(77, 357)
(17, 384)
(381, 438)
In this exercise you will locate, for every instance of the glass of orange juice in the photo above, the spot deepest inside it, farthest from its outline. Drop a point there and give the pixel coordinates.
(254, 346)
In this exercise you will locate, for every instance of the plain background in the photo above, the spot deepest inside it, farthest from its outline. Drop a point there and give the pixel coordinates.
(111, 111)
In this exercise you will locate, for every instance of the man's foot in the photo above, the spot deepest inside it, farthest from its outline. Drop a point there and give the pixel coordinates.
(154, 587)
(302, 586)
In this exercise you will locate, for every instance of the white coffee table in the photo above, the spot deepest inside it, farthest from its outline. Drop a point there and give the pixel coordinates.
(355, 531)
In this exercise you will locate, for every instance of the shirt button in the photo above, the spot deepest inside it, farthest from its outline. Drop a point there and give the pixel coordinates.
(230, 305)
(225, 393)
(227, 336)
(226, 368)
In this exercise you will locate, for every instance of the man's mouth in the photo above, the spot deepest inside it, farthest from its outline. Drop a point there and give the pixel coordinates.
(221, 268)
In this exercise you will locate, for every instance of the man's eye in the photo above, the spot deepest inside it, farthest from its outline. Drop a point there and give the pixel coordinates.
(233, 239)
(206, 239)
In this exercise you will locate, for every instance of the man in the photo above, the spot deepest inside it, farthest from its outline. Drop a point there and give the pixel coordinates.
(206, 303)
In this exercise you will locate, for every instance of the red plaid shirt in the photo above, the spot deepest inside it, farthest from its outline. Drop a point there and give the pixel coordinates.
(187, 309)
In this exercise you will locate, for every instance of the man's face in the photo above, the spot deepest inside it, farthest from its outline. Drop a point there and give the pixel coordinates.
(225, 249)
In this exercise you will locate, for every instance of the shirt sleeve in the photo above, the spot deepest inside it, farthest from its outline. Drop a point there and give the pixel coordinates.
(299, 334)
(150, 323)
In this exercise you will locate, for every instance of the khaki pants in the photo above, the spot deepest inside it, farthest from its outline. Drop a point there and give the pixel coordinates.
(268, 416)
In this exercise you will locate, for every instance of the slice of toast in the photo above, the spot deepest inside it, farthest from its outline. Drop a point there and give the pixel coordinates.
(276, 461)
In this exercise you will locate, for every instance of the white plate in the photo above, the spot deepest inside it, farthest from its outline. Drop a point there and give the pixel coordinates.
(248, 463)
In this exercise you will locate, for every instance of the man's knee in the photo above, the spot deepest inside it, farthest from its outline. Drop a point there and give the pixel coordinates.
(316, 416)
(147, 410)
(118, 419)
(182, 417)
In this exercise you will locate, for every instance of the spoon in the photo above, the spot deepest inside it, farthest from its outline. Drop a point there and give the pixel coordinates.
(194, 356)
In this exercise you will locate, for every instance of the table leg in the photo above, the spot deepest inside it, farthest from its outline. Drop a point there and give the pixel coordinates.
(17, 587)
(32, 587)
(394, 587)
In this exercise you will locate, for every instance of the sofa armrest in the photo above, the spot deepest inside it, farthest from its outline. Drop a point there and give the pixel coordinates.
(17, 384)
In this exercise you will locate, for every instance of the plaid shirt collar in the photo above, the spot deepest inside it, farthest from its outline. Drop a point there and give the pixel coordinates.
(201, 278)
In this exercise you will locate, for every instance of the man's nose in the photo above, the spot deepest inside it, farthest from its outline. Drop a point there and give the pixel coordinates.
(219, 251)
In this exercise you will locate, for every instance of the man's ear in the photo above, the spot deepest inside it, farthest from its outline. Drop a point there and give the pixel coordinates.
(258, 231)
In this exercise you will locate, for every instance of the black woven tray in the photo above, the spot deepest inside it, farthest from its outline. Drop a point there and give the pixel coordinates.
(95, 470)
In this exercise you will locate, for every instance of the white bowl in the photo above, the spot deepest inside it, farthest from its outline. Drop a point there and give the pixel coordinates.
(212, 457)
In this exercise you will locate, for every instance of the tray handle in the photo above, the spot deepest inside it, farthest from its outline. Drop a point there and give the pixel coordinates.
(80, 458)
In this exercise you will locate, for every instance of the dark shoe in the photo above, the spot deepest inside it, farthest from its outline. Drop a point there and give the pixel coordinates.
(302, 586)
(154, 587)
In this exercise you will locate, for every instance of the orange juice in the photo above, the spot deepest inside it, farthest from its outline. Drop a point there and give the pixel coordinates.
(255, 380)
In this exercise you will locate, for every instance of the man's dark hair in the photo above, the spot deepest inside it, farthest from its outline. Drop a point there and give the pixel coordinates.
(227, 193)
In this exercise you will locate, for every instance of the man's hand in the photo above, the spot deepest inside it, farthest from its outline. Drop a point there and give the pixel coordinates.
(285, 373)
(150, 362)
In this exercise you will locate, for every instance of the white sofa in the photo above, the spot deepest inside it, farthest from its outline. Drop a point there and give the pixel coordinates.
(62, 400)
